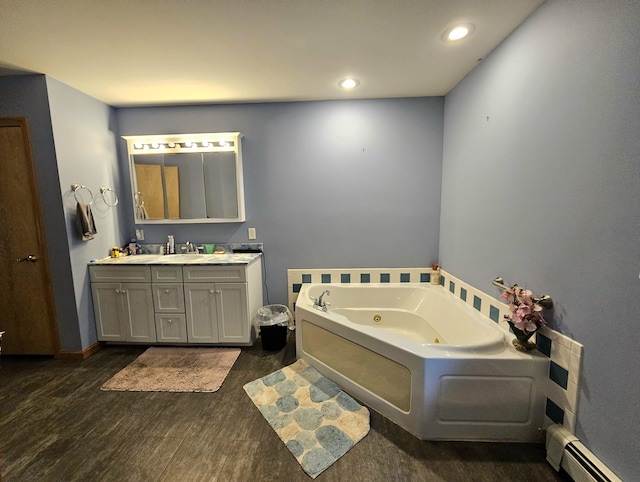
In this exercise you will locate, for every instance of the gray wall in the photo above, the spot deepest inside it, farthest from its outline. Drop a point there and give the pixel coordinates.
(85, 141)
(540, 185)
(327, 184)
(26, 96)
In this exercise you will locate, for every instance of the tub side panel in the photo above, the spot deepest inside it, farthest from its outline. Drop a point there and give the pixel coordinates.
(484, 399)
(389, 380)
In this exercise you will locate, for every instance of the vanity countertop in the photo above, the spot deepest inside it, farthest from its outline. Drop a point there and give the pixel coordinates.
(181, 259)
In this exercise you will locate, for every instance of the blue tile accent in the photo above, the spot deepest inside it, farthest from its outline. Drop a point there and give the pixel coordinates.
(345, 278)
(554, 412)
(494, 313)
(452, 286)
(297, 287)
(441, 280)
(477, 303)
(425, 277)
(365, 278)
(558, 374)
(326, 278)
(385, 277)
(463, 294)
(306, 278)
(405, 277)
(543, 344)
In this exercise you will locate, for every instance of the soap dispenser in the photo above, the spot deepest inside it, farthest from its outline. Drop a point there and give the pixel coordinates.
(435, 274)
(171, 246)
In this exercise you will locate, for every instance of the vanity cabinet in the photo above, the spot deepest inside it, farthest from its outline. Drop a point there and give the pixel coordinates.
(219, 301)
(123, 303)
(168, 302)
(177, 304)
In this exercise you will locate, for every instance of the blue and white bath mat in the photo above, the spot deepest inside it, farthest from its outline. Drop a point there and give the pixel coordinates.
(316, 420)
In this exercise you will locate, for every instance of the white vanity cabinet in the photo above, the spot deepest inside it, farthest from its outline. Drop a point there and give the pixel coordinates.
(176, 303)
(123, 304)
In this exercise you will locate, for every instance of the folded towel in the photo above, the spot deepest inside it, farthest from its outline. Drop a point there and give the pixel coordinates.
(84, 222)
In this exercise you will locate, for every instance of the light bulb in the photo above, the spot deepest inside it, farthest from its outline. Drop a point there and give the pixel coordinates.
(348, 83)
(458, 33)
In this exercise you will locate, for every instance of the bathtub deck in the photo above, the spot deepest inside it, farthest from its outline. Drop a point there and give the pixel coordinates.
(57, 425)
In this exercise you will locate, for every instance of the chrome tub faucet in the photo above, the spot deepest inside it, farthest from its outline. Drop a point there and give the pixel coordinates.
(319, 303)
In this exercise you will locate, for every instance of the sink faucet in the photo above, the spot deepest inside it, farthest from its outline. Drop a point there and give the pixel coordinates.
(319, 302)
(191, 248)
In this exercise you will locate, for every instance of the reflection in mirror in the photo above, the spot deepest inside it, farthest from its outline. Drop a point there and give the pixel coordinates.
(187, 178)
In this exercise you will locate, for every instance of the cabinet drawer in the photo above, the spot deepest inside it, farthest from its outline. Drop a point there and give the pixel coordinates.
(195, 274)
(166, 274)
(171, 328)
(124, 273)
(168, 298)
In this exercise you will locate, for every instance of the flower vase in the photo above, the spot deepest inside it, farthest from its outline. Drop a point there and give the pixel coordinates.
(521, 341)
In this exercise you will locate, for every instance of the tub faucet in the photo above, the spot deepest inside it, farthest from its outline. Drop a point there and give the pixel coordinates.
(319, 302)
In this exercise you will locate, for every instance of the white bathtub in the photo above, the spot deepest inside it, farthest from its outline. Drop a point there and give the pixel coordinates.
(424, 359)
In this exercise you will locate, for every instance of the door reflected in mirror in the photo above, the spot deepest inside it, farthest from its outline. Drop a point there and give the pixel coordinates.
(188, 178)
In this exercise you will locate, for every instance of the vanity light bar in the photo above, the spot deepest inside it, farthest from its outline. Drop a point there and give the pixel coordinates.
(200, 142)
(146, 146)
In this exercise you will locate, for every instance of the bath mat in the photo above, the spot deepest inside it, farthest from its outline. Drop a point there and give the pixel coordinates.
(169, 369)
(316, 420)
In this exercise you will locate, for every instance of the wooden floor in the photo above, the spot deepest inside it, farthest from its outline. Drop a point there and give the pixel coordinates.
(56, 425)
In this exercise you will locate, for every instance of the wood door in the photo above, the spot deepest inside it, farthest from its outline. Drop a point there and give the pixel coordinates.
(149, 181)
(172, 180)
(27, 312)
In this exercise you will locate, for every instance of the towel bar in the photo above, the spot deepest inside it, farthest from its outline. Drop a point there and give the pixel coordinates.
(78, 187)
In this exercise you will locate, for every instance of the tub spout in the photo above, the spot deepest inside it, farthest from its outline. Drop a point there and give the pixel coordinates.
(319, 303)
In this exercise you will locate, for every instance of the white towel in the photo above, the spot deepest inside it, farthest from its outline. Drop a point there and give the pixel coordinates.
(84, 222)
(141, 212)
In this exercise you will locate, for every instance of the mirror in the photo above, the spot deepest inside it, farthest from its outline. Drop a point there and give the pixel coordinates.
(187, 178)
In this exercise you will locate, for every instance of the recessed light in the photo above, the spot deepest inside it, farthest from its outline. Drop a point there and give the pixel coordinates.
(349, 83)
(458, 32)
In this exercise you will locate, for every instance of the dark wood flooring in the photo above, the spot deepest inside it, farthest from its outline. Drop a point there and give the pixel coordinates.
(56, 425)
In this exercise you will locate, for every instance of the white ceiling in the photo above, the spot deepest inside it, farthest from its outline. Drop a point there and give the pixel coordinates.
(150, 52)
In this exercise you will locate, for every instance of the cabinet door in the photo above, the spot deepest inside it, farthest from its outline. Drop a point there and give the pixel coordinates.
(171, 328)
(108, 311)
(200, 307)
(138, 317)
(233, 315)
(168, 298)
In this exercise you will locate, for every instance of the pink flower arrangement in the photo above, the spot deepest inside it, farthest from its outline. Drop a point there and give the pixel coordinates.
(525, 313)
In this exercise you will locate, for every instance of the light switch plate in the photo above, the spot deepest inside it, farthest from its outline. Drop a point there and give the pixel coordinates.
(140, 234)
(251, 233)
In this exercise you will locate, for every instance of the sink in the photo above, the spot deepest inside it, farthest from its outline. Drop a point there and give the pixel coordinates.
(184, 258)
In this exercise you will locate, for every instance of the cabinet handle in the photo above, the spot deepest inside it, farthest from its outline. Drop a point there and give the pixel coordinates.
(118, 291)
(169, 321)
(218, 292)
(123, 291)
(166, 291)
(211, 292)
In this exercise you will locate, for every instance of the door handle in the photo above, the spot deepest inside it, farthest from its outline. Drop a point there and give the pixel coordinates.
(30, 257)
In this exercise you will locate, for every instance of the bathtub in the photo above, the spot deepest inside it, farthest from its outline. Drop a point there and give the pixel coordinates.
(424, 359)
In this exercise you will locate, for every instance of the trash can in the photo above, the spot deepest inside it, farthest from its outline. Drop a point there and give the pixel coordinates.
(273, 322)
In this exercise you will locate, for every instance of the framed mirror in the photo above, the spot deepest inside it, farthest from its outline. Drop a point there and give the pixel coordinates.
(187, 178)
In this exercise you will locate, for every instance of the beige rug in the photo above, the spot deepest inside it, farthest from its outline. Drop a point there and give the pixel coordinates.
(170, 369)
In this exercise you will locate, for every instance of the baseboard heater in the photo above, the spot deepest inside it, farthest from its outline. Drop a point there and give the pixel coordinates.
(565, 451)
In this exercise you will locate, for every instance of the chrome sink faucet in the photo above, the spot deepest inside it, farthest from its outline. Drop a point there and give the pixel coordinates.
(191, 248)
(319, 303)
